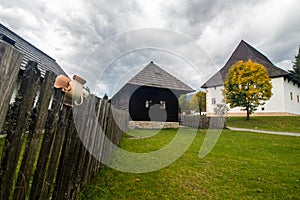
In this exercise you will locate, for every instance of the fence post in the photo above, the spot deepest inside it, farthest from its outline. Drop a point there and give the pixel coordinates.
(52, 137)
(38, 119)
(67, 134)
(10, 60)
(18, 121)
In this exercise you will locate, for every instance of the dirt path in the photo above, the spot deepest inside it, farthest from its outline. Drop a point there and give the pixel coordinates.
(263, 131)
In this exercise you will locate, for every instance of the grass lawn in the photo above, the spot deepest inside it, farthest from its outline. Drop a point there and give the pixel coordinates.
(2, 141)
(282, 123)
(242, 165)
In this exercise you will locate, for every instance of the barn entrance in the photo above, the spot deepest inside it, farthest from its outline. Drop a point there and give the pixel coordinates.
(153, 104)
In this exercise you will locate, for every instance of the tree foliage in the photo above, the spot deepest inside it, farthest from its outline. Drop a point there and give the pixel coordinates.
(105, 96)
(296, 67)
(221, 109)
(184, 104)
(198, 102)
(247, 85)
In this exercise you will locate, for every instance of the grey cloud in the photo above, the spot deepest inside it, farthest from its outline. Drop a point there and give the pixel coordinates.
(135, 49)
(193, 17)
(217, 26)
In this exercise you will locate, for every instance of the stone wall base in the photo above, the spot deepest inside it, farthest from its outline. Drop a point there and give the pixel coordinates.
(152, 125)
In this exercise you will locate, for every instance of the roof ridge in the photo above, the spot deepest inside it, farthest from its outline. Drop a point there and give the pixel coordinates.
(244, 51)
(252, 50)
(151, 77)
(17, 35)
(247, 46)
(31, 52)
(265, 57)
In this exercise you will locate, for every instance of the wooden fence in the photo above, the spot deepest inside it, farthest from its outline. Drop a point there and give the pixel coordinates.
(46, 154)
(198, 121)
(9, 59)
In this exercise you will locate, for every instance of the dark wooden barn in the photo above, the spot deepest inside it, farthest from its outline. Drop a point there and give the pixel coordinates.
(151, 95)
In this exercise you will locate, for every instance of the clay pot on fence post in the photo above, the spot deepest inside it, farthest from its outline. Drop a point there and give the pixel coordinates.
(74, 91)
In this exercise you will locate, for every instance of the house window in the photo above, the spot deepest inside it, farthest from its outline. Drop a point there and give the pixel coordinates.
(213, 101)
(162, 104)
(148, 103)
(297, 98)
(291, 95)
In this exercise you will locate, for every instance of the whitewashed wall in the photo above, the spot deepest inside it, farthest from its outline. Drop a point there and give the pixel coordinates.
(279, 104)
(291, 105)
(214, 92)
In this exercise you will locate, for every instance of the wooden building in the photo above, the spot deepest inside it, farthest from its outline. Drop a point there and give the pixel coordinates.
(31, 53)
(151, 95)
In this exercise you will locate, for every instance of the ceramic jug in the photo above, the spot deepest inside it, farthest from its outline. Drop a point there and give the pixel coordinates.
(74, 91)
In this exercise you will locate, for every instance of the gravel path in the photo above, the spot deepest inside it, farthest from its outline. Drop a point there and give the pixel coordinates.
(266, 132)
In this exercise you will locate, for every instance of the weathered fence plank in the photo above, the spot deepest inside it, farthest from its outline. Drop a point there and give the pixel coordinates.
(87, 113)
(106, 142)
(53, 137)
(17, 126)
(38, 121)
(90, 137)
(103, 125)
(93, 164)
(62, 171)
(53, 125)
(10, 60)
(99, 142)
(197, 121)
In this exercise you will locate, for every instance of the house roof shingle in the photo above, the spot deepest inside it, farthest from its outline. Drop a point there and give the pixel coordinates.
(45, 62)
(154, 76)
(244, 52)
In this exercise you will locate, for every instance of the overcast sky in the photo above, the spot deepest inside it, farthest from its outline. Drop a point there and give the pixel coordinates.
(119, 37)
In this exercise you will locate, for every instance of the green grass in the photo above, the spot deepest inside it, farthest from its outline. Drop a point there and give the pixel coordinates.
(2, 141)
(242, 165)
(282, 123)
(22, 151)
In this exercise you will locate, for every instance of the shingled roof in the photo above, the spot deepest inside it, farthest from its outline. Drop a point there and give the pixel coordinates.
(45, 62)
(244, 52)
(154, 76)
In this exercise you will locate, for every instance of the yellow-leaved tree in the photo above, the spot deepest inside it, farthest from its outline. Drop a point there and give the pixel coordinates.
(247, 85)
(198, 102)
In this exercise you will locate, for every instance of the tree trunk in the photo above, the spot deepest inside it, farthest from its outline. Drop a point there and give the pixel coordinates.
(248, 114)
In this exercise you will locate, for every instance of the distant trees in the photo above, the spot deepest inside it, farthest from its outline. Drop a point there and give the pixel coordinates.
(105, 96)
(221, 109)
(198, 102)
(296, 67)
(184, 104)
(247, 85)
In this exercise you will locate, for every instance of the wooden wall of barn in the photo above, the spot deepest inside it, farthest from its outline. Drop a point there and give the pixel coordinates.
(132, 98)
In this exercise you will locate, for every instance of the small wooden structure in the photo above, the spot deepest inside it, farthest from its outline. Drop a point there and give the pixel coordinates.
(151, 95)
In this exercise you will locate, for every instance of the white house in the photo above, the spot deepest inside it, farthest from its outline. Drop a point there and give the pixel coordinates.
(285, 90)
